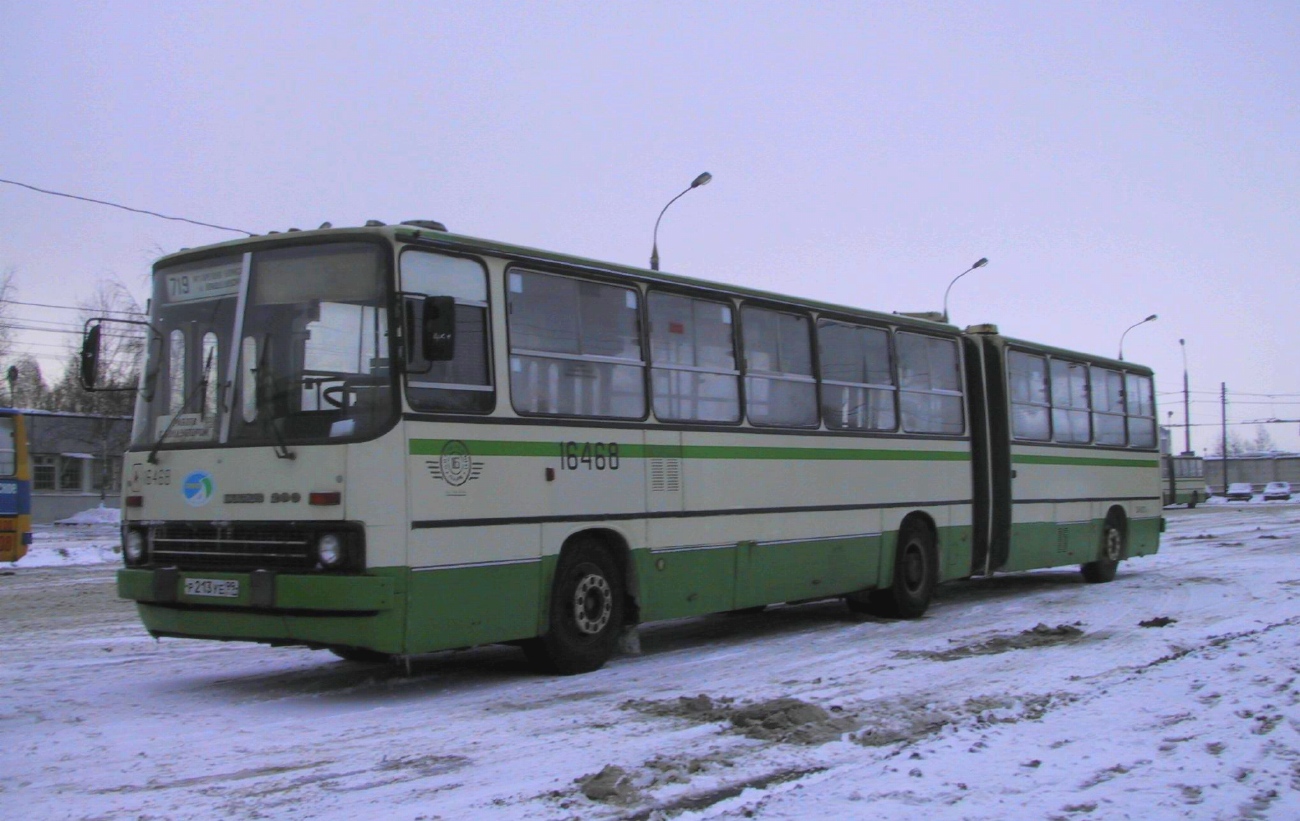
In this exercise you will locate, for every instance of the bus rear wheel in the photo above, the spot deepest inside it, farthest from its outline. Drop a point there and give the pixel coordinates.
(915, 577)
(586, 613)
(1112, 551)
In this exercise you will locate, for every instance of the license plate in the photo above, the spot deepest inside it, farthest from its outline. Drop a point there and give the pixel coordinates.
(219, 588)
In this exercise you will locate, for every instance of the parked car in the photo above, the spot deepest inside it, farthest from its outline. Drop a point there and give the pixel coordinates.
(1240, 492)
(1277, 490)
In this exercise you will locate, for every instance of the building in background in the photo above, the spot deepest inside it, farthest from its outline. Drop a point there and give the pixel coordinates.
(76, 462)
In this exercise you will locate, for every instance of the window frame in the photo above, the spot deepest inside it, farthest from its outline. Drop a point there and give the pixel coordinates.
(891, 353)
(410, 379)
(960, 393)
(781, 376)
(737, 372)
(1086, 408)
(633, 286)
(1046, 405)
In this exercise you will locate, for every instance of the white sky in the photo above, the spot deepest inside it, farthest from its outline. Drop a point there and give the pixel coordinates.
(1111, 160)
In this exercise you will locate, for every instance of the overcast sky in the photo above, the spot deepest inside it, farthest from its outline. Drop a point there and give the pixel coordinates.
(1111, 160)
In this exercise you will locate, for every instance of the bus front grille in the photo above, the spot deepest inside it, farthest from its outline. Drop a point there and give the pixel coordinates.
(204, 547)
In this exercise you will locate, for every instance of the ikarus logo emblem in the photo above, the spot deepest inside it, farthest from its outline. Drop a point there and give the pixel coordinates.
(454, 465)
(198, 488)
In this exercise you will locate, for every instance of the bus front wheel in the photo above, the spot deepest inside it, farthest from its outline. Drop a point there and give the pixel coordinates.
(915, 576)
(586, 613)
(1112, 551)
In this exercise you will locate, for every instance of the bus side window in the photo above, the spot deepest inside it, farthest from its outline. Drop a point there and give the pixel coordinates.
(1107, 406)
(1027, 380)
(1070, 402)
(930, 392)
(779, 386)
(1141, 410)
(575, 347)
(693, 357)
(857, 378)
(8, 448)
(462, 384)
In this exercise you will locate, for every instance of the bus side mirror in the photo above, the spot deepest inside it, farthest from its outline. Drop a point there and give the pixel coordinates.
(90, 357)
(438, 328)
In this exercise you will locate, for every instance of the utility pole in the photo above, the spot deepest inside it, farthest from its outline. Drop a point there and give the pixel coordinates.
(1187, 404)
(1223, 409)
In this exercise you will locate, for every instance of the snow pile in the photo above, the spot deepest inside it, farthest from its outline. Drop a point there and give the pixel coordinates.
(94, 516)
(92, 543)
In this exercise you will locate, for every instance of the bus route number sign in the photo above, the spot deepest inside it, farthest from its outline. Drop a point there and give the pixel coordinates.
(589, 456)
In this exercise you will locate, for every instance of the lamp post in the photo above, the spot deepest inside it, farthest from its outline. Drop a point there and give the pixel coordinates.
(980, 263)
(1151, 318)
(1187, 403)
(702, 179)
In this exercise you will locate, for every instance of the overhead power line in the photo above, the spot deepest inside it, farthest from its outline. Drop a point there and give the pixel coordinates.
(71, 308)
(125, 207)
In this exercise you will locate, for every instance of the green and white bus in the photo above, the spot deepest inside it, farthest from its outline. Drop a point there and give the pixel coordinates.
(394, 440)
(1182, 476)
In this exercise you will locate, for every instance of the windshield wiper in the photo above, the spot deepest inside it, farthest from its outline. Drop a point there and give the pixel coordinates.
(280, 448)
(201, 386)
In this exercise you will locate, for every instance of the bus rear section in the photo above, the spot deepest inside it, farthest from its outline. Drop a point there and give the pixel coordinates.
(1069, 464)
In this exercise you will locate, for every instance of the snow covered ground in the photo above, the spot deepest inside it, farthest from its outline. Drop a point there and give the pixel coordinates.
(1170, 693)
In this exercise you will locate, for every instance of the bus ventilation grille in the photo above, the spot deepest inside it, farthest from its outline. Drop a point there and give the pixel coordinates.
(665, 475)
(231, 548)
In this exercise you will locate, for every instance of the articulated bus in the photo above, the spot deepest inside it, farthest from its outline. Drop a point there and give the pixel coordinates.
(393, 440)
(15, 487)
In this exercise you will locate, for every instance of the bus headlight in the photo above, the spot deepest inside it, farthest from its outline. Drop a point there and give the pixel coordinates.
(134, 547)
(329, 551)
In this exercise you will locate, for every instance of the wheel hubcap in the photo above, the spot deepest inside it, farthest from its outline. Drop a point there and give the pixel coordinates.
(913, 568)
(593, 604)
(1113, 544)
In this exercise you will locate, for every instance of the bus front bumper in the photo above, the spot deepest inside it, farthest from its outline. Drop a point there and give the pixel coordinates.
(275, 608)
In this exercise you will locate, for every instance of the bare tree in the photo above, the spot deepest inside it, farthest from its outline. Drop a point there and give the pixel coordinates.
(29, 388)
(121, 347)
(1237, 445)
(1263, 442)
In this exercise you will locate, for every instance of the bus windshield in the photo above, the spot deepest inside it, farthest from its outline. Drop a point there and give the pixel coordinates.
(306, 361)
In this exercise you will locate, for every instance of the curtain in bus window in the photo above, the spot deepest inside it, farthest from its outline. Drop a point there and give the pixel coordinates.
(1027, 378)
(1107, 406)
(857, 380)
(1070, 401)
(175, 372)
(575, 347)
(779, 385)
(464, 383)
(692, 353)
(1141, 411)
(930, 397)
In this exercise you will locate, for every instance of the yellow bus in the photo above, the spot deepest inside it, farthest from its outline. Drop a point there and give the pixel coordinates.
(15, 487)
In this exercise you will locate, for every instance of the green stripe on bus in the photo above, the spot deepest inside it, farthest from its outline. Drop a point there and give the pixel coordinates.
(1083, 461)
(490, 447)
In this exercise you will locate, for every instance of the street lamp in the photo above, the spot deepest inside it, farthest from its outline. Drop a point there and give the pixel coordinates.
(1187, 403)
(1151, 318)
(702, 179)
(980, 263)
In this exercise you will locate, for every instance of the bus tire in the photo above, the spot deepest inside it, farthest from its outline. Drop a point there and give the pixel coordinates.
(915, 577)
(1113, 545)
(586, 613)
(361, 655)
